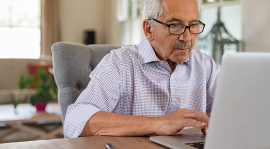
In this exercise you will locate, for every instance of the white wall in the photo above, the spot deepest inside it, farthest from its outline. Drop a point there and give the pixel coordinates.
(76, 16)
(256, 25)
(113, 26)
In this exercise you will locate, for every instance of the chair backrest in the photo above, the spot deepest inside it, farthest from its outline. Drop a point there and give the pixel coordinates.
(72, 65)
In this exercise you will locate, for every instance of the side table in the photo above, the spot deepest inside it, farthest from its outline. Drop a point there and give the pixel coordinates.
(29, 120)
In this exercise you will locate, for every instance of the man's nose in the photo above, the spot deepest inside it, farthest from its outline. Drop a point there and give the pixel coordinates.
(186, 36)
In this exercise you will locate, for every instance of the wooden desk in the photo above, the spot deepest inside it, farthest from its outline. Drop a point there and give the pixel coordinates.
(27, 118)
(90, 142)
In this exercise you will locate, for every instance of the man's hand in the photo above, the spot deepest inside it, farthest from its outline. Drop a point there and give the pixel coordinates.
(176, 121)
(111, 124)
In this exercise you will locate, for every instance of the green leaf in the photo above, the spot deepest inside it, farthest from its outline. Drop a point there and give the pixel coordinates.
(42, 74)
(16, 102)
(30, 80)
(25, 82)
(21, 82)
(33, 100)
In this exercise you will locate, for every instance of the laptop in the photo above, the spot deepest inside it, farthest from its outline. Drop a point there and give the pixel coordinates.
(240, 117)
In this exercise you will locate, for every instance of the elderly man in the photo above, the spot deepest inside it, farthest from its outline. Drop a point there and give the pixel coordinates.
(157, 87)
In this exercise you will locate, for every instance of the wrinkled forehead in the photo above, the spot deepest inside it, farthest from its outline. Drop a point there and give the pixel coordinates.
(185, 10)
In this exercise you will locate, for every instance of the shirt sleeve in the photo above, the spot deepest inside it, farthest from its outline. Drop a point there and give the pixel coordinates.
(101, 94)
(214, 70)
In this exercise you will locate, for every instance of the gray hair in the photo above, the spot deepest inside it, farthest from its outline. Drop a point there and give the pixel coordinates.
(154, 9)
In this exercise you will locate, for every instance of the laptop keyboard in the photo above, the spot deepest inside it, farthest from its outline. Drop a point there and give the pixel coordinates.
(198, 145)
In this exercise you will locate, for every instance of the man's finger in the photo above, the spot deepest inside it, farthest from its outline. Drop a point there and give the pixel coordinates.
(197, 115)
(204, 131)
(193, 123)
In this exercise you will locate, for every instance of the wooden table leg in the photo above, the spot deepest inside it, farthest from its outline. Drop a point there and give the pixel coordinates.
(52, 134)
(27, 129)
(7, 132)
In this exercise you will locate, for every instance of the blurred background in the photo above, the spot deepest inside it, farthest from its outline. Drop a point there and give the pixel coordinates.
(119, 22)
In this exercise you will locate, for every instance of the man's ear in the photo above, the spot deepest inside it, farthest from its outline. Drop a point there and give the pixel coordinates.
(148, 30)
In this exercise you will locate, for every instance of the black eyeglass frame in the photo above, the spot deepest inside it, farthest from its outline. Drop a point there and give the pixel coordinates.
(168, 25)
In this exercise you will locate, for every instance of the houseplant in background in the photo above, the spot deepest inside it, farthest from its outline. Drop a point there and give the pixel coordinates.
(46, 89)
(23, 83)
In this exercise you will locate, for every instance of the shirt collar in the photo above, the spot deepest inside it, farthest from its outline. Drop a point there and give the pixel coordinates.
(147, 53)
(187, 61)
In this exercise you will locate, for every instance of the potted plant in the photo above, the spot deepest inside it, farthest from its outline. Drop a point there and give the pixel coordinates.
(46, 89)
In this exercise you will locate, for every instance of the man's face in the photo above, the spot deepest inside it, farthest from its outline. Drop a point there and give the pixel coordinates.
(175, 48)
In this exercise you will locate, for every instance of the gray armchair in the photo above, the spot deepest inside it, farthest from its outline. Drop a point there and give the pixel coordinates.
(72, 64)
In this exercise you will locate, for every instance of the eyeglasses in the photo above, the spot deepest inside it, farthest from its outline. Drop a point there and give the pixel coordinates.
(177, 28)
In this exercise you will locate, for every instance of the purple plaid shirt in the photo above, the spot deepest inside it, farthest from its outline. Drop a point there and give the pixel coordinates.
(133, 81)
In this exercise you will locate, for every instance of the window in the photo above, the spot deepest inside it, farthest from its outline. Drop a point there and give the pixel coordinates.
(231, 16)
(20, 28)
(128, 13)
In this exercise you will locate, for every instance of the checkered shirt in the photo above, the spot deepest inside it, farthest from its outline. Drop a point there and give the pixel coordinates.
(133, 81)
